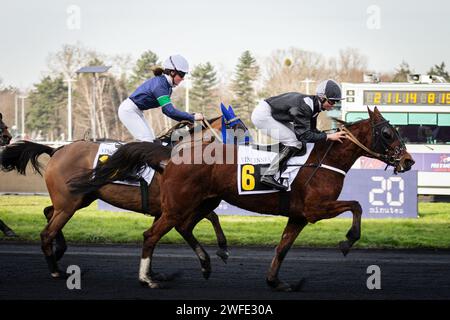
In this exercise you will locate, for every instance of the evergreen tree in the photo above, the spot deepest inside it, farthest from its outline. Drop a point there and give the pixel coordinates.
(143, 69)
(401, 74)
(242, 86)
(439, 70)
(204, 80)
(47, 101)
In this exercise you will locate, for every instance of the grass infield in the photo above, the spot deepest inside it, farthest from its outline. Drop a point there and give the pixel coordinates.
(89, 225)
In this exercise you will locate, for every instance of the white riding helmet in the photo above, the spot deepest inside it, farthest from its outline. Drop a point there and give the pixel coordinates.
(176, 62)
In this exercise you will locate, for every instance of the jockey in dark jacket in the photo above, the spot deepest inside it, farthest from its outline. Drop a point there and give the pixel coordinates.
(291, 118)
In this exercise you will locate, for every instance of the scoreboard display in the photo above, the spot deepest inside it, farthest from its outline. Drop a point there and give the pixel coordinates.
(394, 97)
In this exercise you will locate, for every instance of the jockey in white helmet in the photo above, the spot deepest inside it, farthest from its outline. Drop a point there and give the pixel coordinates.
(291, 118)
(154, 93)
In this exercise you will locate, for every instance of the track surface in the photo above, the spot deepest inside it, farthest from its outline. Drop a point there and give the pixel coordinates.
(110, 272)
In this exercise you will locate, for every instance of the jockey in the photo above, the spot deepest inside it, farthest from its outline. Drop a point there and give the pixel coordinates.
(154, 93)
(291, 118)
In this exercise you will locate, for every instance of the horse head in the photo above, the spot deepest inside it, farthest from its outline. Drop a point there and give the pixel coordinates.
(382, 141)
(233, 128)
(5, 136)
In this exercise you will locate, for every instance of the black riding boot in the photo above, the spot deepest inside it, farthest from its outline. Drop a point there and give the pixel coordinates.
(279, 163)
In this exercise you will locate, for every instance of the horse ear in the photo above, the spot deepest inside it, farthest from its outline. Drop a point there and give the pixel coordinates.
(231, 111)
(377, 112)
(225, 112)
(370, 112)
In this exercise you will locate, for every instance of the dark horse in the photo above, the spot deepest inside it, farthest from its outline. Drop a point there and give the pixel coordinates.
(201, 187)
(76, 159)
(5, 138)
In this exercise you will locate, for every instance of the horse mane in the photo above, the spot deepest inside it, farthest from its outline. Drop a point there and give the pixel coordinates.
(347, 124)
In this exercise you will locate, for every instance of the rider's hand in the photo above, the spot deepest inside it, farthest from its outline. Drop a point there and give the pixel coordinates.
(337, 136)
(198, 117)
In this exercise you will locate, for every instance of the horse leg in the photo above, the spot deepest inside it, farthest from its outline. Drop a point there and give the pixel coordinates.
(221, 239)
(185, 229)
(7, 230)
(58, 220)
(332, 209)
(151, 237)
(290, 233)
(60, 241)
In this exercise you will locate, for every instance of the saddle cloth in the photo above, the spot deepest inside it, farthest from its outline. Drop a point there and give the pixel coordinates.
(250, 162)
(105, 150)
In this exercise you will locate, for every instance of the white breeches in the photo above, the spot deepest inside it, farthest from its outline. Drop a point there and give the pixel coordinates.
(263, 120)
(133, 119)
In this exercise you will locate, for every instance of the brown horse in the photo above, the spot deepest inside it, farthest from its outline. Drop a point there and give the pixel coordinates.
(76, 159)
(5, 138)
(201, 187)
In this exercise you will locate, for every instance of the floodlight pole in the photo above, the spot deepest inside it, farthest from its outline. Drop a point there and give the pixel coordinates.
(69, 108)
(307, 82)
(93, 115)
(187, 84)
(23, 116)
(94, 70)
(16, 110)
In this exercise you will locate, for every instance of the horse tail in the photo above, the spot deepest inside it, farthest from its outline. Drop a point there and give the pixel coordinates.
(17, 155)
(126, 162)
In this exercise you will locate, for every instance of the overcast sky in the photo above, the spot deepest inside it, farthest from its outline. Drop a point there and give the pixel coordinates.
(387, 32)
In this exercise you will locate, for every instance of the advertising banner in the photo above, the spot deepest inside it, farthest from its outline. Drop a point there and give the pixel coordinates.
(380, 193)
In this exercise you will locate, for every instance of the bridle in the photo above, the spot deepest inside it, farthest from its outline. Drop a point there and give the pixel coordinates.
(381, 143)
(391, 156)
(230, 124)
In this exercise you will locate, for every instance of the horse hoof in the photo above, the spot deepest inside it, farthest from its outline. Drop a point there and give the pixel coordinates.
(345, 247)
(223, 254)
(147, 283)
(59, 275)
(206, 273)
(299, 285)
(11, 234)
(166, 277)
(281, 286)
(155, 285)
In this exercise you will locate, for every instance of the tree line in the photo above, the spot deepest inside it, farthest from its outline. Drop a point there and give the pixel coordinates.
(283, 71)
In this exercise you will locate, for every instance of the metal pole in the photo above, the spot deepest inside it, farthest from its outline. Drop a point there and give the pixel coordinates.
(69, 112)
(307, 82)
(23, 117)
(16, 110)
(93, 122)
(187, 98)
(69, 108)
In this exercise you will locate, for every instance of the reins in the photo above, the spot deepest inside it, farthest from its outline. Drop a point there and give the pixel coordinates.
(353, 139)
(317, 166)
(212, 130)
